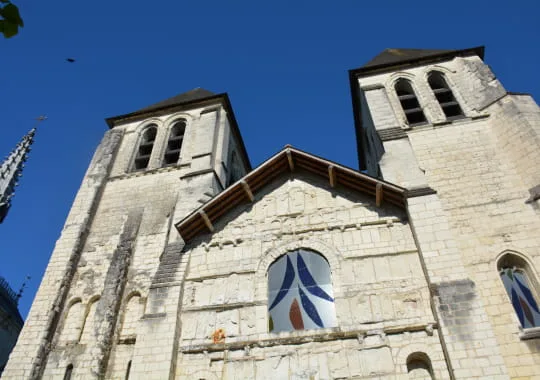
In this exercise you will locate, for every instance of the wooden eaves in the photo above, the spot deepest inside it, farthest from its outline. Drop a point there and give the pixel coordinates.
(289, 159)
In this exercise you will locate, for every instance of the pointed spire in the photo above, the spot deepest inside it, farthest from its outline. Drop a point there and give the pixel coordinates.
(11, 169)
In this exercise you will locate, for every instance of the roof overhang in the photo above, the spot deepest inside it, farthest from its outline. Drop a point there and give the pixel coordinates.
(222, 99)
(364, 71)
(203, 219)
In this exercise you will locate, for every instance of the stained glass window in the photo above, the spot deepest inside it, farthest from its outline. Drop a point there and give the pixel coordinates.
(300, 295)
(519, 290)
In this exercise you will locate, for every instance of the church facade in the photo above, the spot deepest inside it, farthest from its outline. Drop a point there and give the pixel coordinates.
(180, 261)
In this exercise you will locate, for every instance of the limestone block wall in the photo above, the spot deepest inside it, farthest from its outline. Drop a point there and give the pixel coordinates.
(483, 195)
(381, 295)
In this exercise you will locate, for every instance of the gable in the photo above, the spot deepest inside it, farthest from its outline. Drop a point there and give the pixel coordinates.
(291, 203)
(289, 160)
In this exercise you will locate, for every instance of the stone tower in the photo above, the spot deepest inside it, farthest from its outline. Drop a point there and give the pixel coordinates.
(439, 123)
(117, 251)
(177, 261)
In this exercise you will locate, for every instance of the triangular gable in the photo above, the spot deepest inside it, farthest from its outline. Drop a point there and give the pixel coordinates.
(288, 160)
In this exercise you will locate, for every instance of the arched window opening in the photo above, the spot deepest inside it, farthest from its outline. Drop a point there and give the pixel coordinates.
(174, 144)
(71, 331)
(409, 102)
(89, 323)
(444, 96)
(69, 371)
(522, 289)
(128, 370)
(146, 145)
(300, 294)
(132, 314)
(419, 366)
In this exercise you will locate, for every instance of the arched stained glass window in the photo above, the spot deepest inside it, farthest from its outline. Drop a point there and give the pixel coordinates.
(300, 294)
(518, 287)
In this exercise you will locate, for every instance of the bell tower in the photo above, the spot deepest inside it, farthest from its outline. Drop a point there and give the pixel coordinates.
(112, 289)
(439, 123)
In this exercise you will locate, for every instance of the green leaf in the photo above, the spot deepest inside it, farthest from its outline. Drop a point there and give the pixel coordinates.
(11, 14)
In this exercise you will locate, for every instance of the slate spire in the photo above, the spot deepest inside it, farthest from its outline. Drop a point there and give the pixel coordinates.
(11, 169)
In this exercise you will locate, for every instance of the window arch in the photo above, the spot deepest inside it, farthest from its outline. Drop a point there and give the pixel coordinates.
(146, 145)
(71, 331)
(174, 143)
(132, 314)
(419, 366)
(409, 102)
(300, 294)
(444, 95)
(88, 326)
(522, 289)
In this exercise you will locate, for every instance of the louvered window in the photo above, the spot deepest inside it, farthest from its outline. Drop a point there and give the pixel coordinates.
(444, 96)
(409, 102)
(146, 145)
(174, 144)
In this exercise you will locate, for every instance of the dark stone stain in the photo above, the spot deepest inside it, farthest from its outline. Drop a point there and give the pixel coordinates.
(456, 302)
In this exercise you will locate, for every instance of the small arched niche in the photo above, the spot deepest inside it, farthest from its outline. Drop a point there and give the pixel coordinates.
(419, 366)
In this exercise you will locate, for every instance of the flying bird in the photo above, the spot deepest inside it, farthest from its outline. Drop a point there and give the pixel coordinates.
(70, 60)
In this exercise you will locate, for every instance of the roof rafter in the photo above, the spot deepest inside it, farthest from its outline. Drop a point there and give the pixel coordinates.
(206, 216)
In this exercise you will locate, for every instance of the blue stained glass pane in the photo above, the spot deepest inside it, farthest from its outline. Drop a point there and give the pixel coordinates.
(286, 285)
(310, 308)
(525, 305)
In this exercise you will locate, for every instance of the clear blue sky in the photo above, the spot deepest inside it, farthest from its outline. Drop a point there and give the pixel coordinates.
(283, 64)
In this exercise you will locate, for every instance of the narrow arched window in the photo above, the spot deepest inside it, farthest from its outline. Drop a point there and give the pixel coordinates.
(144, 151)
(419, 366)
(521, 287)
(174, 144)
(409, 102)
(444, 95)
(71, 331)
(69, 371)
(300, 294)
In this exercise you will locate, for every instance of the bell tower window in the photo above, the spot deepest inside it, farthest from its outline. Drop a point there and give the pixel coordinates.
(174, 144)
(145, 148)
(444, 96)
(409, 102)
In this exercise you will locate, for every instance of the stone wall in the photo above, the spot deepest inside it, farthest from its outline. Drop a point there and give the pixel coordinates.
(381, 295)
